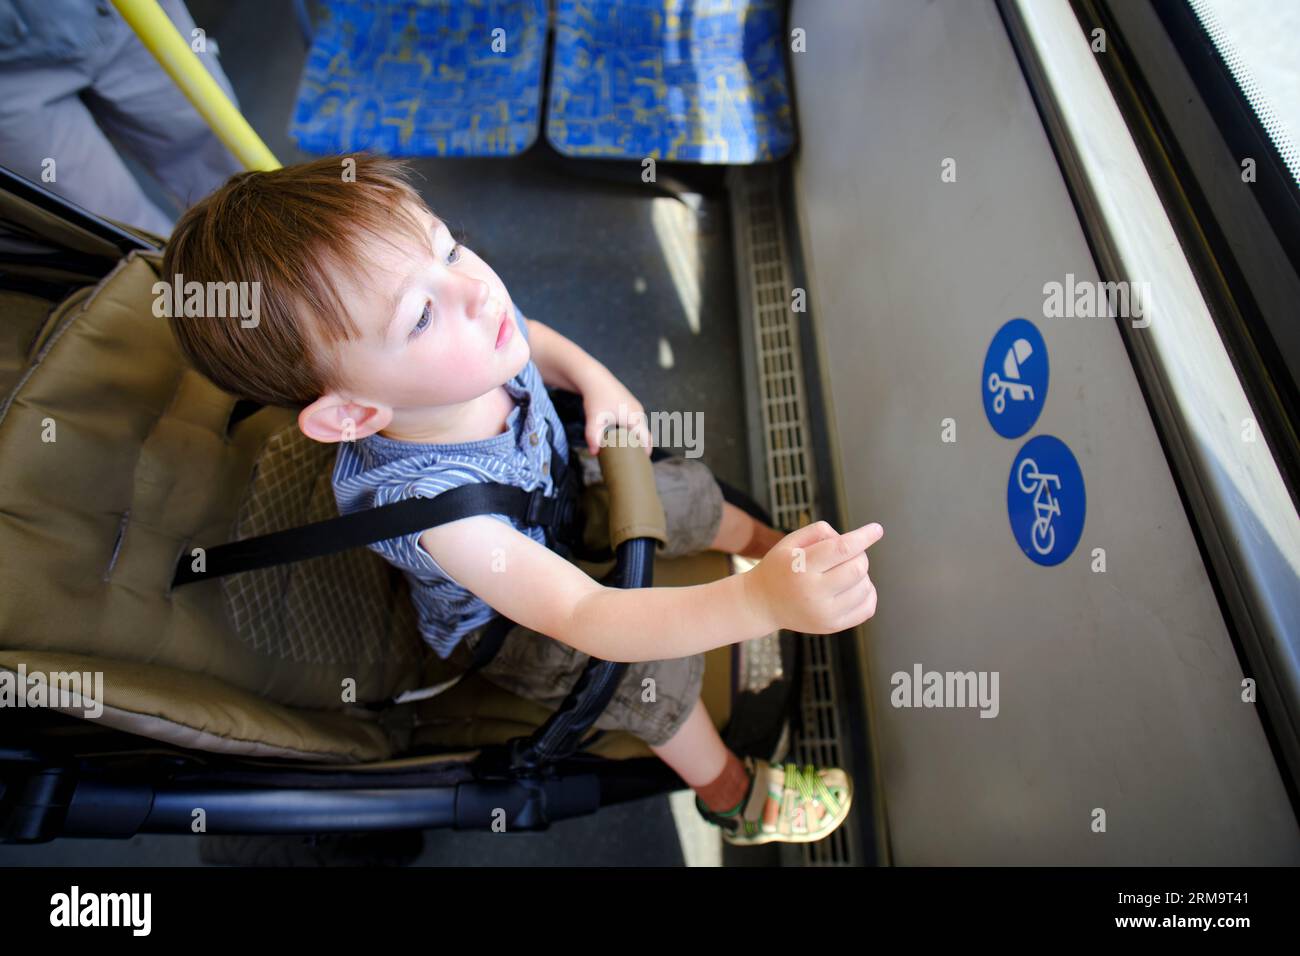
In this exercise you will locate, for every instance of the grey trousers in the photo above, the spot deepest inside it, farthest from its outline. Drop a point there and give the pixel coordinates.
(654, 698)
(64, 111)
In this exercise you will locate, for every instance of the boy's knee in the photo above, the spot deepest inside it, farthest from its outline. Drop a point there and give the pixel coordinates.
(692, 504)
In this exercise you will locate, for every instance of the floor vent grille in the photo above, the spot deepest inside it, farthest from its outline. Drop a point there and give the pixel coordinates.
(773, 326)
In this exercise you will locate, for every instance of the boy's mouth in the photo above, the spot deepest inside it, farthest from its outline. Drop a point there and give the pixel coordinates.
(506, 332)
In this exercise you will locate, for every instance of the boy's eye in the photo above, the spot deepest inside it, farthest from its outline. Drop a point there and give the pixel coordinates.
(425, 318)
(427, 315)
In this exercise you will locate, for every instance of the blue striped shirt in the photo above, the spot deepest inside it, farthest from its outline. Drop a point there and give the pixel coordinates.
(377, 470)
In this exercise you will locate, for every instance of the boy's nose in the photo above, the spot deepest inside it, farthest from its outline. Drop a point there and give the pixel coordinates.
(476, 294)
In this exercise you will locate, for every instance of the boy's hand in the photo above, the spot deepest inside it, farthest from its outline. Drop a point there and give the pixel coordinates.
(814, 580)
(608, 402)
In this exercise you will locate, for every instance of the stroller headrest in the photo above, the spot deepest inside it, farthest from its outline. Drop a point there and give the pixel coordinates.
(116, 458)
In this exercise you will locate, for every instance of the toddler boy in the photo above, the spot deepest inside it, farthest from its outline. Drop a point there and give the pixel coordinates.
(405, 348)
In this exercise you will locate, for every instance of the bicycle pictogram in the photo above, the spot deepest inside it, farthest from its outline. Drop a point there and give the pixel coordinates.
(1046, 506)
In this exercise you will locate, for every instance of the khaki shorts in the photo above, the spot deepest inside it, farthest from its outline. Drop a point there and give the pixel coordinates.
(654, 698)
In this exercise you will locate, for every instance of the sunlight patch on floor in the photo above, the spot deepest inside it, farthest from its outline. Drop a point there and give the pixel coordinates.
(701, 841)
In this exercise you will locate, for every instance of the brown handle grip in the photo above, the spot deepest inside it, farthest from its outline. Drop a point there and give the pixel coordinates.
(635, 510)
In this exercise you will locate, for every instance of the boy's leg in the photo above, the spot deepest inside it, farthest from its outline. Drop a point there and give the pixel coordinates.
(693, 505)
(805, 806)
(740, 534)
(700, 758)
(697, 517)
(653, 700)
(657, 701)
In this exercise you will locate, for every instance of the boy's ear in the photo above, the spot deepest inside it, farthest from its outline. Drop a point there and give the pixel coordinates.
(333, 418)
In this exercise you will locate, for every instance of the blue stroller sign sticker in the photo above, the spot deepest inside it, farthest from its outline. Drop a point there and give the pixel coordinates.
(1046, 501)
(1014, 385)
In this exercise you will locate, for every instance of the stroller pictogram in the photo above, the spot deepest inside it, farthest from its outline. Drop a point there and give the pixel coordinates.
(1016, 355)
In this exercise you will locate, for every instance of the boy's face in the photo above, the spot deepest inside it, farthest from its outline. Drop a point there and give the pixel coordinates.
(432, 318)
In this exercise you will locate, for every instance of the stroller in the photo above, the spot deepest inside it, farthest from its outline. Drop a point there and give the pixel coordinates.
(216, 706)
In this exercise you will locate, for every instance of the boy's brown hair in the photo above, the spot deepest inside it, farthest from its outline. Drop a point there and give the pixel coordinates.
(292, 231)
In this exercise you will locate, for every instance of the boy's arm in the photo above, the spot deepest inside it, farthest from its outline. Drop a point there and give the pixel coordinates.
(537, 588)
(562, 362)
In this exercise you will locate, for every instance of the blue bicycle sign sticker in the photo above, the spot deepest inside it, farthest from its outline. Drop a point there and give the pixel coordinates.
(1046, 501)
(1014, 385)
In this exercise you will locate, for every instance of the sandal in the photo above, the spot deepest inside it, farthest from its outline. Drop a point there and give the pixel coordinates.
(785, 804)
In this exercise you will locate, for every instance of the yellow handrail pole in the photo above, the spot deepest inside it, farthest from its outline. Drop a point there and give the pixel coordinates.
(163, 40)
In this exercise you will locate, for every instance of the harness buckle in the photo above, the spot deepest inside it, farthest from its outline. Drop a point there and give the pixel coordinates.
(541, 509)
(567, 494)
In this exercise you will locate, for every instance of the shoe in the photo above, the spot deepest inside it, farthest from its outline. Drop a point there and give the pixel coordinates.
(785, 804)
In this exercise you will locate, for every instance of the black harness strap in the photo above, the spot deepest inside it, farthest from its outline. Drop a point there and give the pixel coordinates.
(493, 636)
(557, 514)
